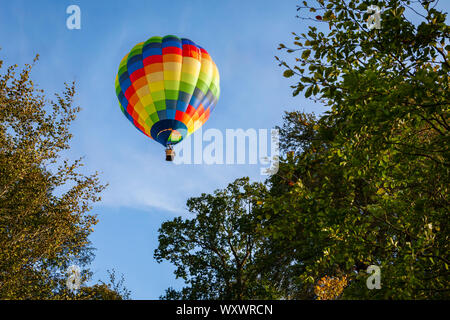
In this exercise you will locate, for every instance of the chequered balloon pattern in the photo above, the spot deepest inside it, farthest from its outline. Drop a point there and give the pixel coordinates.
(167, 87)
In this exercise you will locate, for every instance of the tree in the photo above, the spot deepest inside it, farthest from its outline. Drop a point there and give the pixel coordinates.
(113, 290)
(329, 288)
(44, 200)
(364, 184)
(290, 223)
(371, 188)
(215, 252)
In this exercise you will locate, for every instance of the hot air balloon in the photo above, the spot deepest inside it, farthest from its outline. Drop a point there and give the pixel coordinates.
(167, 87)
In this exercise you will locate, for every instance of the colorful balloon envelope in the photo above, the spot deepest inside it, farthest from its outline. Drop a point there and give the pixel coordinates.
(167, 87)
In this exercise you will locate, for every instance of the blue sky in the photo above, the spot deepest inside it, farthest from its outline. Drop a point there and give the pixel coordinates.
(144, 190)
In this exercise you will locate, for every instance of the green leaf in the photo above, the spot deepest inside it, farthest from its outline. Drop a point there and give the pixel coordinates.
(288, 73)
(306, 54)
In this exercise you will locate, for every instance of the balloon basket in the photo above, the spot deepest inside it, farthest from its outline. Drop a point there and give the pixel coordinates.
(170, 153)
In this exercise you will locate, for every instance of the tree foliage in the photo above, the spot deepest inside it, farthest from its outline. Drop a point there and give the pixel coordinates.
(44, 199)
(215, 252)
(330, 288)
(366, 183)
(380, 195)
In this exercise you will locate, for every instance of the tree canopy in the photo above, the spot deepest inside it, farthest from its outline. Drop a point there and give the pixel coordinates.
(44, 199)
(365, 183)
(216, 250)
